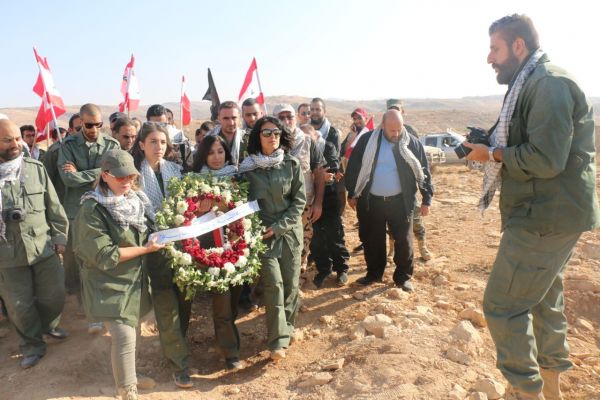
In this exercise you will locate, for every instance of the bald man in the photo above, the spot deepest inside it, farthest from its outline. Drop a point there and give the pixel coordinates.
(385, 169)
(33, 231)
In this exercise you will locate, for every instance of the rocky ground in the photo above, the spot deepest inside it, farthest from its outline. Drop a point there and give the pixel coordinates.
(354, 343)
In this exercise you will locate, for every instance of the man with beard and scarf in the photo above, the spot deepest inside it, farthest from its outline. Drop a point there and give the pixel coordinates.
(542, 158)
(385, 169)
(251, 112)
(311, 159)
(33, 231)
(228, 128)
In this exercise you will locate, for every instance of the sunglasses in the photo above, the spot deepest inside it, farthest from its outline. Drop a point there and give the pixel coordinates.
(121, 179)
(288, 117)
(269, 132)
(305, 113)
(90, 125)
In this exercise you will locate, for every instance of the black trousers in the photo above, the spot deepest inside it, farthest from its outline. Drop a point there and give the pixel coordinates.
(374, 215)
(328, 246)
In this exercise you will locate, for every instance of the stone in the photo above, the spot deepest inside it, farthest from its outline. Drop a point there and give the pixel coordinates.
(318, 379)
(457, 393)
(358, 296)
(396, 293)
(358, 332)
(304, 308)
(462, 287)
(454, 354)
(584, 324)
(391, 331)
(474, 315)
(334, 365)
(299, 335)
(440, 280)
(444, 305)
(492, 389)
(233, 390)
(346, 297)
(326, 319)
(424, 310)
(478, 396)
(465, 332)
(375, 324)
(145, 383)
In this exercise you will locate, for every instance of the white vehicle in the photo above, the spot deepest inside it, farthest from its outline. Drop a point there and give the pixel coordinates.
(445, 141)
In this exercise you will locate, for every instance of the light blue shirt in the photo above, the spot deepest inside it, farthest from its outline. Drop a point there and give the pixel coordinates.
(386, 180)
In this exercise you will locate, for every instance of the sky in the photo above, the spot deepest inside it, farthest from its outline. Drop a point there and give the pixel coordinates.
(344, 49)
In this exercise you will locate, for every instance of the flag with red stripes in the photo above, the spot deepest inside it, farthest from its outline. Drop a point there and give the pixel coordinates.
(186, 105)
(251, 86)
(129, 88)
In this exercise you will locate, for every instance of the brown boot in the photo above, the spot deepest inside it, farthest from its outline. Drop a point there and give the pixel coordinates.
(551, 380)
(515, 394)
(425, 253)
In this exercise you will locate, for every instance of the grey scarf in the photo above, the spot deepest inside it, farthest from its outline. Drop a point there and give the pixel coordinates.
(324, 129)
(254, 161)
(227, 170)
(128, 209)
(9, 171)
(235, 146)
(150, 184)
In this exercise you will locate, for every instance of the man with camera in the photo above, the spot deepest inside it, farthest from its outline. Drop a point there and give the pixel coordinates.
(542, 158)
(385, 169)
(33, 230)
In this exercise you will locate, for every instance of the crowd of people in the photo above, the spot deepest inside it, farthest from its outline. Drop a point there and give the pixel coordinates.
(76, 217)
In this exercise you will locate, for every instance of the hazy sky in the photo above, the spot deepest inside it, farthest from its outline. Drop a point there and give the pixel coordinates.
(334, 49)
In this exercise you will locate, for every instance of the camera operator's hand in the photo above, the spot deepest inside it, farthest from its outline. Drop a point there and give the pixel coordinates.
(424, 210)
(59, 248)
(329, 177)
(352, 202)
(479, 152)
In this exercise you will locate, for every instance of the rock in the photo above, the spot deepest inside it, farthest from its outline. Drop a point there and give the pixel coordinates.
(233, 390)
(424, 310)
(466, 333)
(396, 293)
(358, 296)
(444, 305)
(584, 324)
(458, 356)
(360, 315)
(375, 324)
(391, 331)
(318, 379)
(478, 396)
(492, 389)
(457, 393)
(334, 365)
(304, 308)
(462, 287)
(315, 332)
(358, 332)
(474, 315)
(326, 319)
(440, 280)
(346, 297)
(299, 335)
(145, 383)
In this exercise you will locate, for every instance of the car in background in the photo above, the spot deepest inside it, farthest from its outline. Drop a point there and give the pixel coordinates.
(445, 142)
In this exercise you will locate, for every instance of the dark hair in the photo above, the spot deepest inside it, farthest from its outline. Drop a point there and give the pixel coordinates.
(147, 129)
(205, 145)
(206, 126)
(250, 101)
(26, 128)
(516, 26)
(123, 121)
(53, 134)
(302, 105)
(72, 119)
(319, 100)
(156, 110)
(228, 105)
(168, 110)
(285, 140)
(90, 109)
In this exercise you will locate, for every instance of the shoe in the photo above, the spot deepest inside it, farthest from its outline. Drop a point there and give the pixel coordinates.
(342, 278)
(319, 279)
(551, 380)
(425, 253)
(248, 305)
(182, 379)
(360, 247)
(30, 361)
(515, 394)
(95, 328)
(233, 363)
(277, 355)
(128, 392)
(366, 280)
(57, 333)
(407, 286)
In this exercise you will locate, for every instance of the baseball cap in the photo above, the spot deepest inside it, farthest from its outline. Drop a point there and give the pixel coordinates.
(394, 103)
(118, 163)
(360, 111)
(279, 108)
(115, 116)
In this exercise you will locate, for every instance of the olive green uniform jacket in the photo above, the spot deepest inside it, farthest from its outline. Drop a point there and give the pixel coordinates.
(51, 163)
(112, 290)
(549, 166)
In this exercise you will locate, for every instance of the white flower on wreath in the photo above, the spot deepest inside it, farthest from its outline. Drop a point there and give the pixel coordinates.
(182, 207)
(241, 261)
(184, 259)
(236, 279)
(226, 246)
(239, 203)
(246, 252)
(173, 252)
(178, 220)
(229, 268)
(214, 271)
(217, 190)
(246, 223)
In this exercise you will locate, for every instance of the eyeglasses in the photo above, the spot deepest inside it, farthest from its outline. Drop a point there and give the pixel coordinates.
(288, 117)
(90, 125)
(121, 179)
(269, 132)
(305, 113)
(155, 123)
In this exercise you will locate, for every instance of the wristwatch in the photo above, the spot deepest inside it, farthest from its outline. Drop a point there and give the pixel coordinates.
(491, 154)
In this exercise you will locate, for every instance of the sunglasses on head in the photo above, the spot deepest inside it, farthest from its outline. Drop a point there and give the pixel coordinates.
(269, 132)
(90, 125)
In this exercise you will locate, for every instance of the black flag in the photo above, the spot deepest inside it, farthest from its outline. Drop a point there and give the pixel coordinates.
(213, 97)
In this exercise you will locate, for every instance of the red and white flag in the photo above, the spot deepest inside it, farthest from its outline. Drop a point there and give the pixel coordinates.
(46, 89)
(251, 87)
(369, 126)
(129, 88)
(43, 118)
(186, 105)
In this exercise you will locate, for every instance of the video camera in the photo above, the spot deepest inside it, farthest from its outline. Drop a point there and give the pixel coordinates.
(475, 136)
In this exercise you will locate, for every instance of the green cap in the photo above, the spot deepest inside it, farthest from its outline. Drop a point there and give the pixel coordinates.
(118, 163)
(394, 103)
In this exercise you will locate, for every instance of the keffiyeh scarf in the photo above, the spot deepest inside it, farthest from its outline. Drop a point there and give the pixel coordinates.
(150, 184)
(254, 161)
(9, 171)
(235, 146)
(126, 210)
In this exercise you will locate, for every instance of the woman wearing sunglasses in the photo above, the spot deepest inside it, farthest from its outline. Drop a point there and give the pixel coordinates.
(277, 183)
(109, 231)
(152, 153)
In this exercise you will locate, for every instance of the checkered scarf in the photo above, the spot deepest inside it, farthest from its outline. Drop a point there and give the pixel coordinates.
(254, 161)
(368, 160)
(499, 138)
(235, 146)
(9, 171)
(150, 184)
(128, 209)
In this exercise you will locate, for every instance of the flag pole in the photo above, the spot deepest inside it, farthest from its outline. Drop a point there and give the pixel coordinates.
(260, 88)
(181, 104)
(48, 136)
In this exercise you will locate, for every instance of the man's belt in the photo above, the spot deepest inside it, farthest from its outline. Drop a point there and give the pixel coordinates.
(386, 198)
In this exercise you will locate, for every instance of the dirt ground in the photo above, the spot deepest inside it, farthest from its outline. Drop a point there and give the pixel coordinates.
(412, 363)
